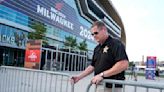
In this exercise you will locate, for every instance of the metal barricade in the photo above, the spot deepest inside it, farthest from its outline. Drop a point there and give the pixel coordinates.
(60, 60)
(133, 86)
(14, 79)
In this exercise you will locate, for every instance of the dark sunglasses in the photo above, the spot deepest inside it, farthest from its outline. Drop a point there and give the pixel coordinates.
(94, 33)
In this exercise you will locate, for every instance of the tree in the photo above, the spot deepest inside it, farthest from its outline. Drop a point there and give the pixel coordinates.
(70, 42)
(131, 64)
(83, 45)
(39, 33)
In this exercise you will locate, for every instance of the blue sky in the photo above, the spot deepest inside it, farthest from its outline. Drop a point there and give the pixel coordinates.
(144, 25)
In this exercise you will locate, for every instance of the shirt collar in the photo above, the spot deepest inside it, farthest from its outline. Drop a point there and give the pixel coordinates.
(107, 41)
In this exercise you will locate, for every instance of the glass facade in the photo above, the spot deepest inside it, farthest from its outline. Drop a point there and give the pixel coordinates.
(61, 19)
(12, 15)
(12, 37)
(12, 45)
(18, 13)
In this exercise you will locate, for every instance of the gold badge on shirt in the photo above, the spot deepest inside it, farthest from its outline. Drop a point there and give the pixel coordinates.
(105, 50)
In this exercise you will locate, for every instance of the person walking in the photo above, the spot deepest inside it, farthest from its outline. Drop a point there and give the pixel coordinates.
(109, 59)
(134, 72)
(157, 73)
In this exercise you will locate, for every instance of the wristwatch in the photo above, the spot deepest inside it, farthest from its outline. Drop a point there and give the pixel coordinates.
(102, 74)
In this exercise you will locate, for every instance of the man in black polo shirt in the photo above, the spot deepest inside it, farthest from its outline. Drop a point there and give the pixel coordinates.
(109, 59)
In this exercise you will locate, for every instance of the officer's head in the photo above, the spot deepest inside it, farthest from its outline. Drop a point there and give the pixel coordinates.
(99, 31)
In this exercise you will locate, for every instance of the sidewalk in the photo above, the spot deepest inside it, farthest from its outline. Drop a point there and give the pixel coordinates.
(82, 84)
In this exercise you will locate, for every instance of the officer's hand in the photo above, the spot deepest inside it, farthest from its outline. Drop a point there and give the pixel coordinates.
(97, 79)
(75, 79)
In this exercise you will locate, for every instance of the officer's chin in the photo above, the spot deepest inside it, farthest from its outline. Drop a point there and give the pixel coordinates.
(98, 41)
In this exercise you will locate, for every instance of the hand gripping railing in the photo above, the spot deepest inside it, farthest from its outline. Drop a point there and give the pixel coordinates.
(137, 84)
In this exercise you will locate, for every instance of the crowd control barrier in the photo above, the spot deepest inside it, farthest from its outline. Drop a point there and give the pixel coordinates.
(63, 60)
(14, 79)
(133, 86)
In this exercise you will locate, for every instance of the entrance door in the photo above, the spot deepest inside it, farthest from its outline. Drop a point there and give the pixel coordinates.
(19, 57)
(4, 56)
(6, 59)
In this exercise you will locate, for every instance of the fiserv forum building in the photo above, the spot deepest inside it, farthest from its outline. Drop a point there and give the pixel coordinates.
(61, 18)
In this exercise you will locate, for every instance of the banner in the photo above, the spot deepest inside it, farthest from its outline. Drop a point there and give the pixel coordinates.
(150, 67)
(33, 54)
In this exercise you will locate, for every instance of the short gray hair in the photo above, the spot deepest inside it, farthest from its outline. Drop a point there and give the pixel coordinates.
(99, 24)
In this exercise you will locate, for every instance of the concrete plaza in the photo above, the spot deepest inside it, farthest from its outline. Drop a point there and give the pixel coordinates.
(81, 86)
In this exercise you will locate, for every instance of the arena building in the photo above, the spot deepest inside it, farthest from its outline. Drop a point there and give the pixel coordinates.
(61, 18)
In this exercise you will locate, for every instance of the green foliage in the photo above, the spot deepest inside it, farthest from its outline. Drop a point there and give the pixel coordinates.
(39, 33)
(82, 45)
(70, 42)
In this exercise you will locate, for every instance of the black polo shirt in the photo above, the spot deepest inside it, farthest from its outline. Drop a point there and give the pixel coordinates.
(108, 54)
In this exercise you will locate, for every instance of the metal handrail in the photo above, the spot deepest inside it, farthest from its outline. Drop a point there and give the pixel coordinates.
(146, 85)
(88, 87)
(17, 79)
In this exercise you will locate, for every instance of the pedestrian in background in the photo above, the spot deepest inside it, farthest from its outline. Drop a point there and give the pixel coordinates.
(134, 72)
(109, 60)
(157, 73)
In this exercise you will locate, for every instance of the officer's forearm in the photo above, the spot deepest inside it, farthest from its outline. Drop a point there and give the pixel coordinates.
(117, 68)
(86, 72)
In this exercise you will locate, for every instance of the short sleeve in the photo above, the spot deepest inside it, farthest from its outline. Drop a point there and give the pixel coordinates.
(119, 52)
(93, 61)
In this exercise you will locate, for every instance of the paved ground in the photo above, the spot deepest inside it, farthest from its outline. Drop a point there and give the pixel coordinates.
(81, 86)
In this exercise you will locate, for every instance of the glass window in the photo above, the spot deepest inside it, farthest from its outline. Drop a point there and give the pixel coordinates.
(91, 46)
(49, 29)
(0, 28)
(79, 40)
(3, 30)
(61, 34)
(13, 15)
(13, 37)
(8, 30)
(55, 43)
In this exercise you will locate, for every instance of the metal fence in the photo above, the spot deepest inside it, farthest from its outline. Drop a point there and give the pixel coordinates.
(13, 79)
(63, 60)
(133, 86)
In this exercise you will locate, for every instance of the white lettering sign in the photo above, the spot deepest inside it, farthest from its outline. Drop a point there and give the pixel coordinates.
(32, 56)
(7, 39)
(86, 33)
(55, 15)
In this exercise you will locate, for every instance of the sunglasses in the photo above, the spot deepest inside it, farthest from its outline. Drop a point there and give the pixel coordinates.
(94, 33)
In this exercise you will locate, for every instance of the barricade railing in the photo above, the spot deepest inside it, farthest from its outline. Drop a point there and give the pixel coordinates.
(14, 79)
(60, 60)
(133, 86)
